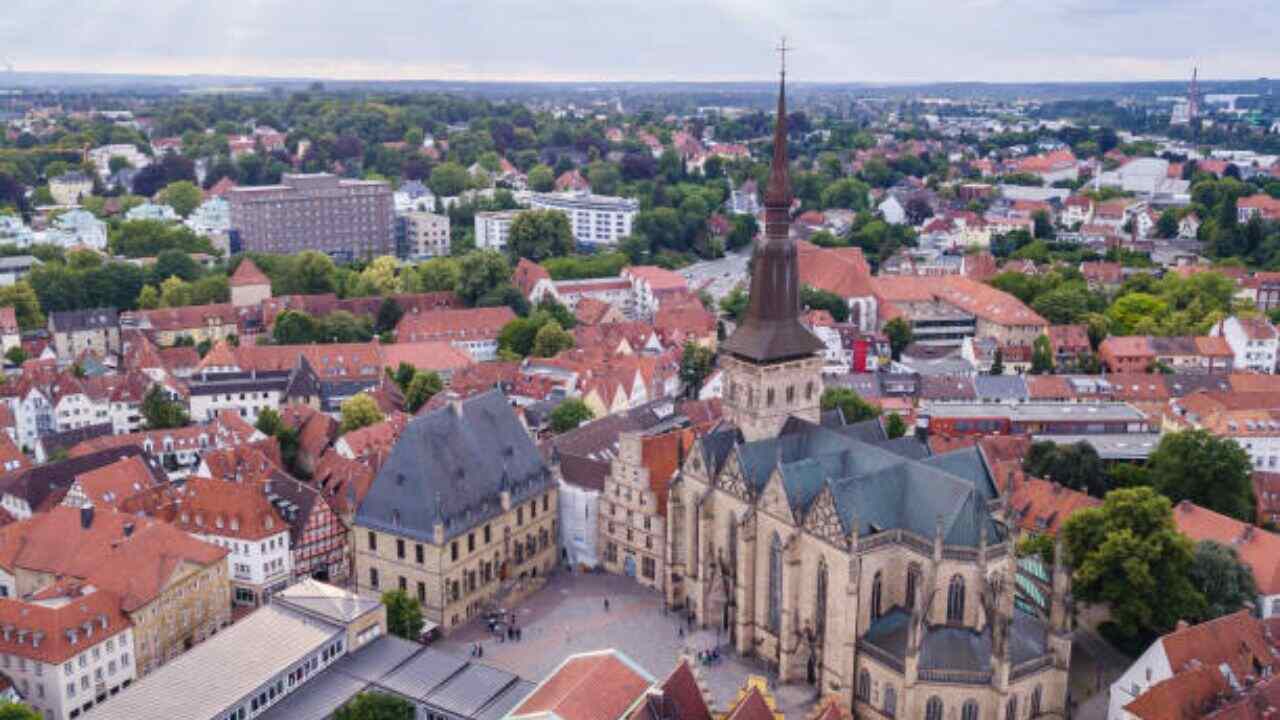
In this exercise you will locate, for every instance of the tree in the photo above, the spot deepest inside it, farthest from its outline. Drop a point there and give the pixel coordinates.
(696, 364)
(371, 705)
(895, 426)
(359, 411)
(159, 412)
(269, 422)
(846, 193)
(18, 711)
(403, 375)
(1128, 554)
(404, 614)
(541, 179)
(816, 299)
(1226, 582)
(1076, 466)
(918, 209)
(389, 314)
(603, 177)
(294, 327)
(1064, 305)
(25, 304)
(1167, 225)
(851, 405)
(422, 388)
(735, 303)
(183, 196)
(997, 362)
(569, 414)
(174, 293)
(743, 232)
(1041, 356)
(171, 263)
(16, 355)
(479, 272)
(898, 330)
(1209, 471)
(1135, 313)
(540, 234)
(310, 273)
(448, 179)
(551, 339)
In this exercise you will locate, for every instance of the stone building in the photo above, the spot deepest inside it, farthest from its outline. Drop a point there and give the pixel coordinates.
(873, 570)
(462, 513)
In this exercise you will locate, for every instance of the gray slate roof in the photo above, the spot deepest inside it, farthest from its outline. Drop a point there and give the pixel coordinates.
(451, 466)
(958, 648)
(1000, 387)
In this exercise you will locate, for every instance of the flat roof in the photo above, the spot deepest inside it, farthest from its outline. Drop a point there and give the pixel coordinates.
(224, 670)
(1079, 412)
(1111, 446)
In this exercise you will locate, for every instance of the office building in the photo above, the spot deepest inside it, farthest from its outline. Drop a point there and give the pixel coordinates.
(346, 219)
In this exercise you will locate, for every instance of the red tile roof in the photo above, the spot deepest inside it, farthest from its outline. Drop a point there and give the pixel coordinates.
(43, 631)
(527, 275)
(1258, 549)
(248, 274)
(450, 325)
(590, 686)
(429, 355)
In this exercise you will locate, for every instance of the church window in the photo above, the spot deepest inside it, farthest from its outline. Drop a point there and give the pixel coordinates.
(820, 603)
(775, 584)
(969, 711)
(791, 394)
(808, 390)
(877, 587)
(890, 701)
(933, 709)
(955, 600)
(1035, 701)
(733, 546)
(1011, 708)
(768, 397)
(864, 685)
(913, 582)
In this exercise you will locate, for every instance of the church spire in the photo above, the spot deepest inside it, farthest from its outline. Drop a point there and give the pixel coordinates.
(771, 330)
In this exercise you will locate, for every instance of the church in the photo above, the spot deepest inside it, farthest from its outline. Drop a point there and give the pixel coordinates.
(866, 567)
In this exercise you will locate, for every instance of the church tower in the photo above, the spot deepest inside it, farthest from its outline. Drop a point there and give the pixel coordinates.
(772, 364)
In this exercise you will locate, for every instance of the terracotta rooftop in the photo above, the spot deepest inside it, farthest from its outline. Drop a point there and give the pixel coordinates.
(1258, 549)
(589, 686)
(248, 274)
(451, 325)
(69, 618)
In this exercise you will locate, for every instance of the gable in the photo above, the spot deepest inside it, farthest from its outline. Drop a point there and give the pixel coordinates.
(823, 520)
(773, 499)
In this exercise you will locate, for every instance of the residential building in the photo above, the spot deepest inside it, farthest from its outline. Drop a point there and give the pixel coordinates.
(347, 219)
(1077, 210)
(211, 218)
(633, 520)
(67, 649)
(14, 232)
(493, 227)
(154, 212)
(249, 285)
(426, 234)
(1034, 418)
(75, 331)
(1068, 343)
(596, 220)
(16, 267)
(172, 587)
(70, 188)
(1254, 341)
(249, 394)
(606, 685)
(260, 661)
(1236, 645)
(101, 158)
(462, 509)
(197, 323)
(473, 330)
(77, 227)
(651, 286)
(1263, 206)
(10, 333)
(1257, 548)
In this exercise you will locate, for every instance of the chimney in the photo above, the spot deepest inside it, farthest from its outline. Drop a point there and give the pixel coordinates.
(86, 517)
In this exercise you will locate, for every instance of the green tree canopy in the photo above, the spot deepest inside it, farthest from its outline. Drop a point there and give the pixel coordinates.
(480, 272)
(851, 405)
(1226, 582)
(183, 196)
(900, 335)
(371, 705)
(1209, 471)
(404, 614)
(1076, 466)
(448, 179)
(696, 364)
(551, 339)
(569, 414)
(1129, 555)
(540, 234)
(159, 412)
(359, 411)
(421, 388)
(541, 179)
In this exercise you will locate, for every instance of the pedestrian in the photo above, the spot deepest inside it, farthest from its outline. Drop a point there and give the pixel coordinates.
(480, 648)
(606, 604)
(680, 632)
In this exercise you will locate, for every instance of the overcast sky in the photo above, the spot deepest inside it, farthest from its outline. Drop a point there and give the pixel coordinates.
(837, 40)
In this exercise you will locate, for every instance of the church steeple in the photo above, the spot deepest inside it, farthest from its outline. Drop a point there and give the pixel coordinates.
(771, 331)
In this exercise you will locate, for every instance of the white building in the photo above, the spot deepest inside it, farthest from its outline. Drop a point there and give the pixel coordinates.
(78, 227)
(1254, 341)
(67, 651)
(33, 414)
(69, 188)
(492, 229)
(595, 219)
(101, 158)
(151, 211)
(213, 216)
(427, 234)
(13, 232)
(16, 267)
(579, 523)
(1146, 176)
(892, 211)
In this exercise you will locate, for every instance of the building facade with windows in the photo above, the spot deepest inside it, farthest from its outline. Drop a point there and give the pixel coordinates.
(597, 220)
(463, 509)
(426, 234)
(493, 228)
(347, 219)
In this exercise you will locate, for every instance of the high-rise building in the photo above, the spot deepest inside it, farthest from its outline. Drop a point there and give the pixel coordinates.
(595, 219)
(347, 219)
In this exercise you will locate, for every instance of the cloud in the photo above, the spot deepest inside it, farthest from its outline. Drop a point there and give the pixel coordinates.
(836, 40)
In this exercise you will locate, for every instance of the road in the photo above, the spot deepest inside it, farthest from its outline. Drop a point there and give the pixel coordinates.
(718, 277)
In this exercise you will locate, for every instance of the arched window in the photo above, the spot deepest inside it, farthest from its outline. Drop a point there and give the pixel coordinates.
(955, 600)
(768, 397)
(864, 685)
(820, 602)
(1035, 701)
(913, 582)
(1011, 708)
(969, 711)
(775, 584)
(933, 709)
(890, 701)
(877, 585)
(733, 546)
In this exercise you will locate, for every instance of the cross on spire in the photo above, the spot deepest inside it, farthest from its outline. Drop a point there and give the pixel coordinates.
(782, 53)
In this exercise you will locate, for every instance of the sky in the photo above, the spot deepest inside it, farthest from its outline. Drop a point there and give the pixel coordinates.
(877, 41)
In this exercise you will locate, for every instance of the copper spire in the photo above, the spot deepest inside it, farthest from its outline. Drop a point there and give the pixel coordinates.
(771, 329)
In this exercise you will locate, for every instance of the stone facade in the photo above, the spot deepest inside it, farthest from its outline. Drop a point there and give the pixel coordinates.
(633, 533)
(194, 604)
(456, 579)
(759, 398)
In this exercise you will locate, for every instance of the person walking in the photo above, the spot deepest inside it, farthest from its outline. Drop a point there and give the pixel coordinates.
(606, 604)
